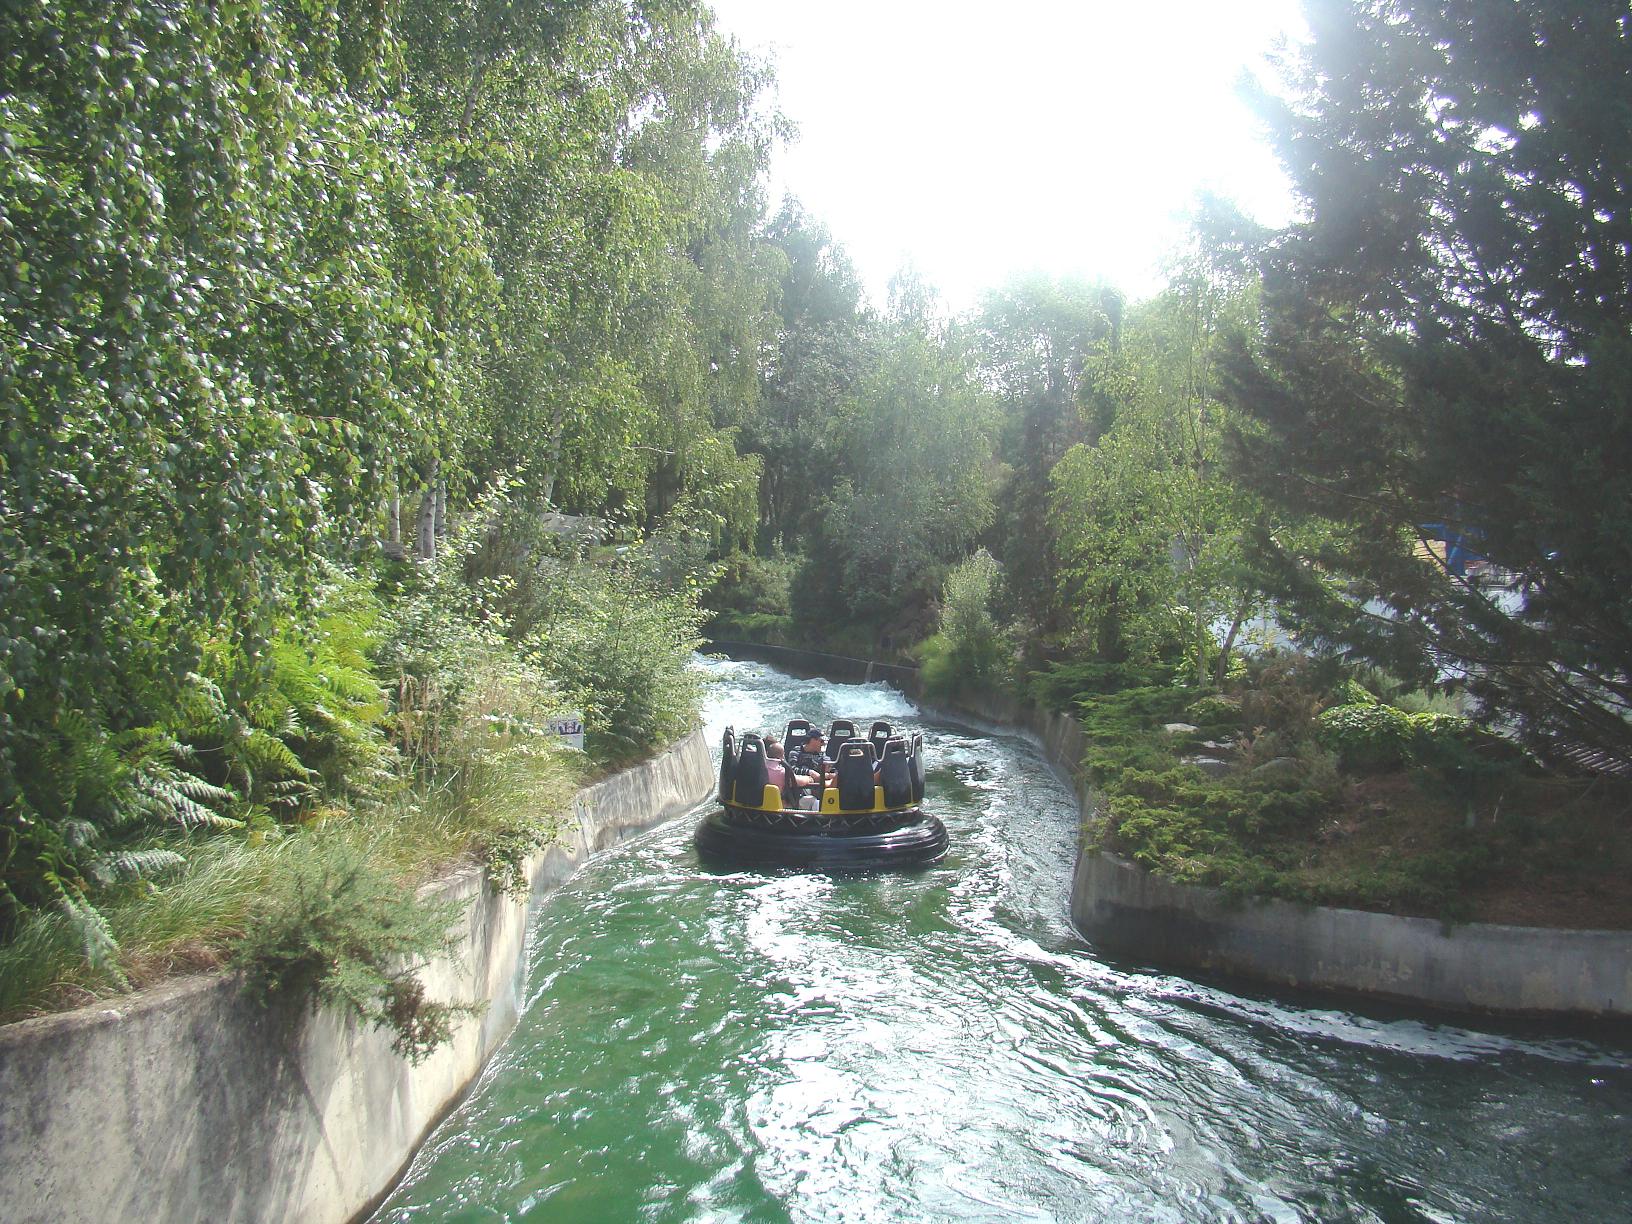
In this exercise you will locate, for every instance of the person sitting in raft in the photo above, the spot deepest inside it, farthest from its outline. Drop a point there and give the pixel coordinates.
(776, 769)
(811, 768)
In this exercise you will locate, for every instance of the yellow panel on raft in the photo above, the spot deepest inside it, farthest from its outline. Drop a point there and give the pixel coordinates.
(830, 799)
(772, 799)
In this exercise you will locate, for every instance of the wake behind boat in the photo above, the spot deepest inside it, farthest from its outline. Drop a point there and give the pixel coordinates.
(855, 804)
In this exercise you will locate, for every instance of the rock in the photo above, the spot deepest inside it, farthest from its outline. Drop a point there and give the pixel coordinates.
(1280, 769)
(1180, 729)
(1211, 766)
(1216, 746)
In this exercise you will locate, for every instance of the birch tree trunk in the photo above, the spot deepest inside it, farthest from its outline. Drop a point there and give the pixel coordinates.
(393, 525)
(557, 428)
(425, 543)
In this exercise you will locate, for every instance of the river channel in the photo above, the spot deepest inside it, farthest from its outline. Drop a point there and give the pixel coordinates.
(701, 1045)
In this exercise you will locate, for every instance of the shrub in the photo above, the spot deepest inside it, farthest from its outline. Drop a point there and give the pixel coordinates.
(1367, 738)
(1284, 693)
(336, 929)
(969, 651)
(1214, 715)
(1062, 685)
(751, 585)
(622, 649)
(755, 627)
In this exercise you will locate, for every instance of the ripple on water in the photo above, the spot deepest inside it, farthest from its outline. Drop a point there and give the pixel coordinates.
(941, 1046)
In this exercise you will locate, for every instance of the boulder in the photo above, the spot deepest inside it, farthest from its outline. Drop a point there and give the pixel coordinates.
(1211, 766)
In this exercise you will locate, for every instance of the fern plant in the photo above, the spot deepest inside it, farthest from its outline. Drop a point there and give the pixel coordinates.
(84, 815)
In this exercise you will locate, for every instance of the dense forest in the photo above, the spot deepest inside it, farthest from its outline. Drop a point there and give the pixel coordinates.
(381, 380)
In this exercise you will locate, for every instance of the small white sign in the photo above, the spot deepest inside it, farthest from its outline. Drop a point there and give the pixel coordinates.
(570, 728)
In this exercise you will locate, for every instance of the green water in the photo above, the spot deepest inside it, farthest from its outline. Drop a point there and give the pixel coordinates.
(943, 1046)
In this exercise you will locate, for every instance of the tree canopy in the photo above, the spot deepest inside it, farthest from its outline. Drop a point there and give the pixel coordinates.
(1444, 356)
(265, 268)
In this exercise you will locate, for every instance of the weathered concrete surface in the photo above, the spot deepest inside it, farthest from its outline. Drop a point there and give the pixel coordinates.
(1126, 910)
(1058, 736)
(187, 1102)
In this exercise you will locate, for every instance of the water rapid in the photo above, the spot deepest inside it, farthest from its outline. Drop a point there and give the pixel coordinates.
(701, 1045)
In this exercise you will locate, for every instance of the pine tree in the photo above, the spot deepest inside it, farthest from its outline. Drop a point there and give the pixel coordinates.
(1444, 357)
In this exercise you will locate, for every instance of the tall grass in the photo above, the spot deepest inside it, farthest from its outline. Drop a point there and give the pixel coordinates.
(495, 794)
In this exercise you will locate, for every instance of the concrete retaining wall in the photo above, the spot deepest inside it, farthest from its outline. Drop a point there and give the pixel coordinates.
(1474, 967)
(1059, 736)
(187, 1102)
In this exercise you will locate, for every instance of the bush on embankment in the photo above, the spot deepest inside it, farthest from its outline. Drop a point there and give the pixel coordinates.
(969, 652)
(1282, 785)
(280, 817)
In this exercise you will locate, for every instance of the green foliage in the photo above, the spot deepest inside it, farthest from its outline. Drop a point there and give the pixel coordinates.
(207, 331)
(753, 585)
(623, 648)
(1368, 738)
(1213, 710)
(1356, 804)
(825, 346)
(1442, 356)
(75, 818)
(262, 267)
(970, 652)
(1172, 817)
(1147, 521)
(337, 929)
(1061, 684)
(1372, 737)
(912, 492)
(763, 627)
(612, 633)
(1046, 348)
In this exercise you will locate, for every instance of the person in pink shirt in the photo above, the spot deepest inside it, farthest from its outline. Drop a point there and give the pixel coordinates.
(776, 770)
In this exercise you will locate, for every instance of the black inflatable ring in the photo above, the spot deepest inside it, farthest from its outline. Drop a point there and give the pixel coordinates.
(913, 845)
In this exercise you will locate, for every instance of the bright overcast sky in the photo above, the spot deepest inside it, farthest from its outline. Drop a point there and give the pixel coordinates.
(979, 141)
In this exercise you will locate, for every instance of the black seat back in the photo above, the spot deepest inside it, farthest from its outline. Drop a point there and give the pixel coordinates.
(876, 735)
(749, 788)
(918, 768)
(794, 737)
(856, 776)
(895, 776)
(843, 731)
(728, 763)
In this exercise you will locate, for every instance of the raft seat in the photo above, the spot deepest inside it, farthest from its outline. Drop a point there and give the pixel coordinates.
(895, 773)
(842, 732)
(750, 783)
(855, 776)
(798, 730)
(877, 735)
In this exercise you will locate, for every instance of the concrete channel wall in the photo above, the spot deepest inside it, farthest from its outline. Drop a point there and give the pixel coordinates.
(188, 1102)
(1472, 967)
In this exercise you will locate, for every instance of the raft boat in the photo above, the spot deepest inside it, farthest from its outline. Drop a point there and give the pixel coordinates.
(866, 818)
